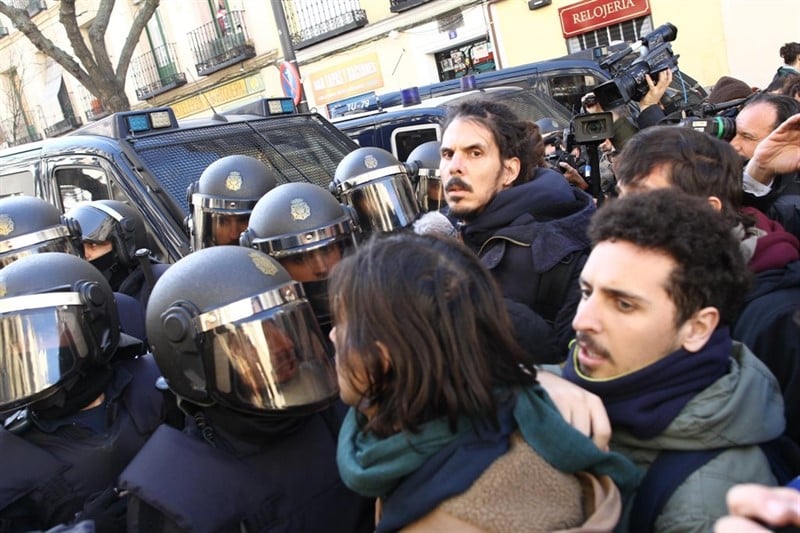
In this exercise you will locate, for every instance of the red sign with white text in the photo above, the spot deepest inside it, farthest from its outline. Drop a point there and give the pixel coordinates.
(592, 14)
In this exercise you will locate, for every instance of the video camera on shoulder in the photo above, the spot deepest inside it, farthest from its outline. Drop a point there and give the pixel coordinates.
(719, 127)
(629, 82)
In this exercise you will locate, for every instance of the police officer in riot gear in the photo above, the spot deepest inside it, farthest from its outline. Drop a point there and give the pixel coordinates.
(239, 346)
(115, 241)
(374, 183)
(424, 159)
(220, 202)
(308, 232)
(29, 226)
(74, 413)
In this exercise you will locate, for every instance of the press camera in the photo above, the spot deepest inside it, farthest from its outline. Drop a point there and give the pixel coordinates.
(628, 80)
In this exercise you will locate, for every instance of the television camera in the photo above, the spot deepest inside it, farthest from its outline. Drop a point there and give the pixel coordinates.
(628, 80)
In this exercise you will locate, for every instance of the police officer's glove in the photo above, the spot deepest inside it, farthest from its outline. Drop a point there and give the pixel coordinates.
(107, 509)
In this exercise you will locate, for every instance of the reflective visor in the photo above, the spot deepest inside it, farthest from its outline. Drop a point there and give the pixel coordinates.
(41, 343)
(62, 244)
(384, 204)
(275, 360)
(96, 225)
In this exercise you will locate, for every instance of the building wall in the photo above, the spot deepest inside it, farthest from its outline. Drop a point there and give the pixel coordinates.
(396, 50)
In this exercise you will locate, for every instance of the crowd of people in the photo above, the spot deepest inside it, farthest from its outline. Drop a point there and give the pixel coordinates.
(465, 341)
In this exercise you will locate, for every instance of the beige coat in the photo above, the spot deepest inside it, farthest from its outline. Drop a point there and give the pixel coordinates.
(520, 491)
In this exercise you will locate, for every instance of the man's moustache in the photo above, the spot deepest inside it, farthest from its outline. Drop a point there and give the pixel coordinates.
(457, 183)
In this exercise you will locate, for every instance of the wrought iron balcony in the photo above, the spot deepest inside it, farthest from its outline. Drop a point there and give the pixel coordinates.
(314, 21)
(31, 6)
(221, 43)
(97, 111)
(156, 72)
(398, 6)
(62, 126)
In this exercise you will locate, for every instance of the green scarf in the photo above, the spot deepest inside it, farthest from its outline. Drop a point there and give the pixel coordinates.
(372, 466)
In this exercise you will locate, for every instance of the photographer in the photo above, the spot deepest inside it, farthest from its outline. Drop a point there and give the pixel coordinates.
(568, 162)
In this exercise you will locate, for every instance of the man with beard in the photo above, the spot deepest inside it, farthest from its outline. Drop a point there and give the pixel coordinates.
(659, 291)
(527, 224)
(766, 127)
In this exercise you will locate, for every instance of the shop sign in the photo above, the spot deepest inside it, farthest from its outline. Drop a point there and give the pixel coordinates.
(592, 14)
(356, 76)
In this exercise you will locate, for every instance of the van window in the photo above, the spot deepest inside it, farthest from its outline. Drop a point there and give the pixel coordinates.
(404, 140)
(80, 184)
(569, 88)
(19, 182)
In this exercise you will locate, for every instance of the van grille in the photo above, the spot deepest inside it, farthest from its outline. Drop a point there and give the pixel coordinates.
(301, 148)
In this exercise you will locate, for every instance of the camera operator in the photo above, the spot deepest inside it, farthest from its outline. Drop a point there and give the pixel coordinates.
(568, 162)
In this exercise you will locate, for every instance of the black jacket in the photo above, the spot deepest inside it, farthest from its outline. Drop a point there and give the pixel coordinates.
(533, 239)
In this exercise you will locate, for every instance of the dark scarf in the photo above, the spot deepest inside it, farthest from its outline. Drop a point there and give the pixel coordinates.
(645, 402)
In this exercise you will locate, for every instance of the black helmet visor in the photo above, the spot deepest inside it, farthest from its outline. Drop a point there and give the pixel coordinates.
(56, 239)
(96, 225)
(42, 343)
(274, 360)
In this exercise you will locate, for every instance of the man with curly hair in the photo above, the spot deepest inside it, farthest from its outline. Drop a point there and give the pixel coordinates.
(659, 291)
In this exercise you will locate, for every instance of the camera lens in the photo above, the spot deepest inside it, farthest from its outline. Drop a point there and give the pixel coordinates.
(594, 127)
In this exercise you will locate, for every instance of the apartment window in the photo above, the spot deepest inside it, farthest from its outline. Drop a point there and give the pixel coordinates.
(628, 31)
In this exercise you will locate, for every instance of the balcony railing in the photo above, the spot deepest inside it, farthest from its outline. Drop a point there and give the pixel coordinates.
(398, 6)
(318, 20)
(97, 110)
(31, 6)
(221, 43)
(62, 126)
(156, 72)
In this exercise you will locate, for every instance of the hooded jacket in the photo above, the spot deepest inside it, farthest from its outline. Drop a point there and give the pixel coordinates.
(523, 233)
(738, 411)
(767, 323)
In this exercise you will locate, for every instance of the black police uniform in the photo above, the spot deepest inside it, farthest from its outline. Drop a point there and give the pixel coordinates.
(51, 466)
(255, 483)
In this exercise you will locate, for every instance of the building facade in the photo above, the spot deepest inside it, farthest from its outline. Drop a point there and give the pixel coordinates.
(202, 56)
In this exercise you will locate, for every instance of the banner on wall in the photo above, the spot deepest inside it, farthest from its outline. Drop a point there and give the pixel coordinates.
(357, 75)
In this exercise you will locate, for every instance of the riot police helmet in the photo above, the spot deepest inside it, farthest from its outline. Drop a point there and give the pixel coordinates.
(308, 231)
(59, 322)
(374, 183)
(550, 128)
(228, 326)
(114, 222)
(425, 159)
(220, 202)
(30, 225)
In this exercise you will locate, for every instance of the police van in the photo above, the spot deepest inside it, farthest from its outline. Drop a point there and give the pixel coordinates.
(400, 129)
(148, 159)
(397, 121)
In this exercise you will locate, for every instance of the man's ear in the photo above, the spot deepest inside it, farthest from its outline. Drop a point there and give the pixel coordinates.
(510, 171)
(696, 331)
(715, 203)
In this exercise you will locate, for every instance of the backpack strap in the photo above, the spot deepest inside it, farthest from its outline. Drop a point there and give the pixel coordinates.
(665, 475)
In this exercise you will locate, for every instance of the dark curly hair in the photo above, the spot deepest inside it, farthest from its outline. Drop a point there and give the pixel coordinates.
(440, 315)
(514, 137)
(789, 52)
(694, 162)
(710, 269)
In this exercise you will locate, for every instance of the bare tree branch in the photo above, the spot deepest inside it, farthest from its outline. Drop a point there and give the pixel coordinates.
(144, 14)
(90, 64)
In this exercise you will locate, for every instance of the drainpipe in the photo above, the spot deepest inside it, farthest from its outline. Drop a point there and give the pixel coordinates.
(488, 15)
